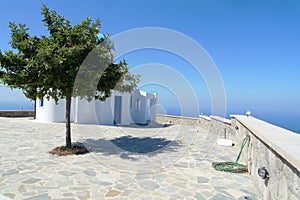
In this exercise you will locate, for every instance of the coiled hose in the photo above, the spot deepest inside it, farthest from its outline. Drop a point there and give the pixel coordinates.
(233, 167)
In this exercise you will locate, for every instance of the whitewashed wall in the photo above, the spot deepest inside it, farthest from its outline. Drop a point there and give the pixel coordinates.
(51, 112)
(99, 112)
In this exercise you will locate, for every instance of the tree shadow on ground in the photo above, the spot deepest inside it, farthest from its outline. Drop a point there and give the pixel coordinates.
(150, 125)
(128, 146)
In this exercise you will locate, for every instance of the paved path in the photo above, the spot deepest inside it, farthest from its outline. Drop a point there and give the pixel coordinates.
(125, 163)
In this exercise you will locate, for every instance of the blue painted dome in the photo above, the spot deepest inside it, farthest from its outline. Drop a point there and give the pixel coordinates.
(100, 36)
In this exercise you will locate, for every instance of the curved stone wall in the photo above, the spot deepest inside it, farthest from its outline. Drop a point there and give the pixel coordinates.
(274, 148)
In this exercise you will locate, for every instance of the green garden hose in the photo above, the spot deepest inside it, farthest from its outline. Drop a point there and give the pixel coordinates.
(233, 167)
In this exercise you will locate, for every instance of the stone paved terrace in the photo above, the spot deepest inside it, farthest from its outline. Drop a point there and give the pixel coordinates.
(153, 162)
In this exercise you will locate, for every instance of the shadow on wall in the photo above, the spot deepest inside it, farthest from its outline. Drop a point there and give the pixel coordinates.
(126, 146)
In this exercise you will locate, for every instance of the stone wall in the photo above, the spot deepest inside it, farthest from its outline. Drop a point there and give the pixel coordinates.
(220, 125)
(204, 122)
(284, 181)
(270, 146)
(238, 134)
(16, 113)
(169, 119)
(263, 151)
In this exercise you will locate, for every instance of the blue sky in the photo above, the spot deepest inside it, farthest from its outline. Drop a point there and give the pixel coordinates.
(255, 45)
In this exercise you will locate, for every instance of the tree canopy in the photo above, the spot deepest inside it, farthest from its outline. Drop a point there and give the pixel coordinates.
(48, 65)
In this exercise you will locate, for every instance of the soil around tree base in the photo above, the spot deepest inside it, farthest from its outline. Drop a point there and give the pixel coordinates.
(77, 149)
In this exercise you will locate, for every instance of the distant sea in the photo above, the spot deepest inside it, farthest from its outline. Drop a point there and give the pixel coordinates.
(16, 105)
(289, 121)
(285, 120)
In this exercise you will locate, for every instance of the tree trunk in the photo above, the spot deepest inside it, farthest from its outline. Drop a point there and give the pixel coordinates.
(34, 112)
(68, 123)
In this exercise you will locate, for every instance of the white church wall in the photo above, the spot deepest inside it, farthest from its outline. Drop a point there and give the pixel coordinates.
(125, 108)
(85, 111)
(49, 111)
(138, 108)
(101, 112)
(104, 111)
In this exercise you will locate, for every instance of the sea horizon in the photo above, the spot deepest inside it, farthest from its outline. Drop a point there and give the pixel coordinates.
(284, 120)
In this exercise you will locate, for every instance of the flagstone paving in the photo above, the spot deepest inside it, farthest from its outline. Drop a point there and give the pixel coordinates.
(146, 162)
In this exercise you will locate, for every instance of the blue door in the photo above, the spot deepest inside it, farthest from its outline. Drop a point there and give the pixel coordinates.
(117, 110)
